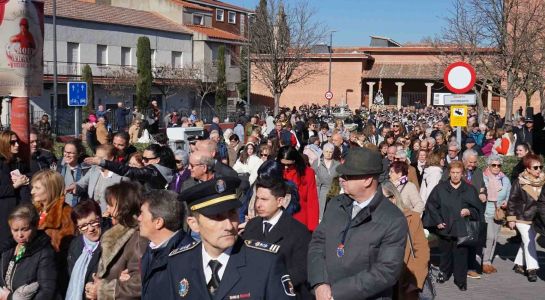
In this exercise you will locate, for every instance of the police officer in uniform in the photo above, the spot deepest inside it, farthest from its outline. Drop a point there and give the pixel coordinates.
(223, 266)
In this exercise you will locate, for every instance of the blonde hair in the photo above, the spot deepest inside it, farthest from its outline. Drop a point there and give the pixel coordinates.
(53, 184)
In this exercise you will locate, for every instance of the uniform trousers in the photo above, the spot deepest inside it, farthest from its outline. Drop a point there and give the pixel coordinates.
(527, 252)
(453, 259)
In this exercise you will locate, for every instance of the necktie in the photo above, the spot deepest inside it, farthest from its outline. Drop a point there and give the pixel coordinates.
(214, 282)
(177, 185)
(267, 228)
(355, 210)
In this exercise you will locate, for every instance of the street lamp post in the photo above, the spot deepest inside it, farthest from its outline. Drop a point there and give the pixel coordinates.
(330, 55)
(55, 75)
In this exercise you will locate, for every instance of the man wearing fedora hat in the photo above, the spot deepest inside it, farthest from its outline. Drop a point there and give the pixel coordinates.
(357, 250)
(224, 266)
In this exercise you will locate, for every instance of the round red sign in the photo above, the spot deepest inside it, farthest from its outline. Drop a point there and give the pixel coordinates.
(329, 95)
(459, 77)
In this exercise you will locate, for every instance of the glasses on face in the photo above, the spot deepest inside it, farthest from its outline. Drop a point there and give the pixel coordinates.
(147, 159)
(194, 165)
(13, 142)
(535, 168)
(264, 155)
(178, 161)
(69, 153)
(84, 227)
(495, 165)
(395, 125)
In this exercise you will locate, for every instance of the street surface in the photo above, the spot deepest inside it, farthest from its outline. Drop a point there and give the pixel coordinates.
(505, 284)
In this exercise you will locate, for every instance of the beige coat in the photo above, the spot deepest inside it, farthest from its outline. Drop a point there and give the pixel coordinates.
(122, 248)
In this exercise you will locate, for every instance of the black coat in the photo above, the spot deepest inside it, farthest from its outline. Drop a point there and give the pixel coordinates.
(155, 283)
(521, 206)
(373, 249)
(153, 177)
(444, 205)
(251, 273)
(41, 160)
(293, 238)
(74, 252)
(36, 265)
(9, 197)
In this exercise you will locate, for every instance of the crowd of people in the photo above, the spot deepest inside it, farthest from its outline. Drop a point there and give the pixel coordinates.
(299, 205)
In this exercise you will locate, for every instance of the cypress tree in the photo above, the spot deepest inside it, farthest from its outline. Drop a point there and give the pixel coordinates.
(87, 76)
(143, 68)
(221, 86)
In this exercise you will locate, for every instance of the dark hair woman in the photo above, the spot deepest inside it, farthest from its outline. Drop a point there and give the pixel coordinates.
(122, 247)
(304, 178)
(13, 183)
(157, 173)
(27, 267)
(85, 249)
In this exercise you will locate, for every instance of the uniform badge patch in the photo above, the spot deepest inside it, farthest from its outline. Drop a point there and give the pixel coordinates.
(183, 288)
(220, 186)
(288, 285)
(264, 246)
(183, 248)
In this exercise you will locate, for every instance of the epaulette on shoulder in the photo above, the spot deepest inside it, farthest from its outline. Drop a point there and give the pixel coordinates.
(184, 248)
(263, 246)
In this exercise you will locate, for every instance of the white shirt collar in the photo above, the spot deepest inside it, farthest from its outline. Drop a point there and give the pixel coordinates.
(223, 259)
(109, 174)
(163, 243)
(275, 218)
(364, 203)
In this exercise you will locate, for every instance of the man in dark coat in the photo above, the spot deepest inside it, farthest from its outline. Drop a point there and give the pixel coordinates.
(224, 266)
(357, 251)
(40, 159)
(121, 114)
(160, 221)
(275, 226)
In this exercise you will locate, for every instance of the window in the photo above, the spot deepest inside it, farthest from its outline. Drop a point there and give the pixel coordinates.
(177, 61)
(102, 55)
(219, 15)
(125, 56)
(198, 19)
(232, 17)
(72, 53)
(153, 55)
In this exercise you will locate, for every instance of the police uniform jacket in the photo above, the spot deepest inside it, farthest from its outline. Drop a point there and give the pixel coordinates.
(373, 249)
(293, 238)
(250, 274)
(154, 265)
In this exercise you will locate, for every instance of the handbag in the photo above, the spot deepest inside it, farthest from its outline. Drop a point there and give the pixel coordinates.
(428, 290)
(499, 213)
(473, 233)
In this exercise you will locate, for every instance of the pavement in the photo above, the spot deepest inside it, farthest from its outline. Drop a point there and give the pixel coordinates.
(505, 284)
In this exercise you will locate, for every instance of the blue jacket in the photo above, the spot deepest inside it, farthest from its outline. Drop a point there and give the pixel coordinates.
(154, 265)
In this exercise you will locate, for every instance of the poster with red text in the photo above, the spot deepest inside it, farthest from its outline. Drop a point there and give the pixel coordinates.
(21, 47)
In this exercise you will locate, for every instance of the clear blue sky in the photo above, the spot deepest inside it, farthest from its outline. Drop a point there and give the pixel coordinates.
(355, 20)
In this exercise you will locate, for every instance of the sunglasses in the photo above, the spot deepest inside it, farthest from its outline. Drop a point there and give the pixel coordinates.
(147, 159)
(395, 125)
(495, 165)
(13, 142)
(84, 227)
(537, 168)
(178, 161)
(264, 155)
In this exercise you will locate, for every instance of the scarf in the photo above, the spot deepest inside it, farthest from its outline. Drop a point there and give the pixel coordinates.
(530, 185)
(494, 184)
(77, 278)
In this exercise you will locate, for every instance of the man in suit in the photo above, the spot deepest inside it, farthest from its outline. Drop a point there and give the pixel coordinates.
(223, 266)
(274, 226)
(160, 221)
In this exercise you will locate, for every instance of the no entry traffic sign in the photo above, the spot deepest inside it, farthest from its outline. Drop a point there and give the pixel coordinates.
(459, 77)
(329, 95)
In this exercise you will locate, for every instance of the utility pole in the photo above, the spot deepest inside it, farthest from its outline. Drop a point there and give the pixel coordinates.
(330, 56)
(55, 75)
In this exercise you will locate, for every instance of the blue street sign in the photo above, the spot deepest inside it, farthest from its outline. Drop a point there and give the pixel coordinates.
(77, 93)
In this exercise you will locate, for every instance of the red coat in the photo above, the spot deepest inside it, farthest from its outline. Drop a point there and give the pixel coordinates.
(308, 197)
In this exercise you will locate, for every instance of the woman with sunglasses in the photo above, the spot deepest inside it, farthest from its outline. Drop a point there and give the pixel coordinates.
(522, 207)
(13, 182)
(85, 249)
(498, 187)
(158, 171)
(296, 170)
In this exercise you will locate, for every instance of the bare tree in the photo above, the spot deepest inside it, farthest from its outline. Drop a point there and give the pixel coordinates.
(495, 36)
(280, 44)
(170, 81)
(203, 81)
(121, 81)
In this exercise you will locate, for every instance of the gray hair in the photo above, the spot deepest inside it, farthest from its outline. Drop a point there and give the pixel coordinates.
(389, 189)
(431, 141)
(494, 157)
(209, 162)
(165, 205)
(401, 154)
(455, 144)
(184, 155)
(329, 146)
(468, 153)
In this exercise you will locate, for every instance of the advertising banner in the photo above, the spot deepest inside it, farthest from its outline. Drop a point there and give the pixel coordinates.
(21, 47)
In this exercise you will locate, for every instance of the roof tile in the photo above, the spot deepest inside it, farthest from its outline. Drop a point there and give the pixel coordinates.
(404, 71)
(216, 33)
